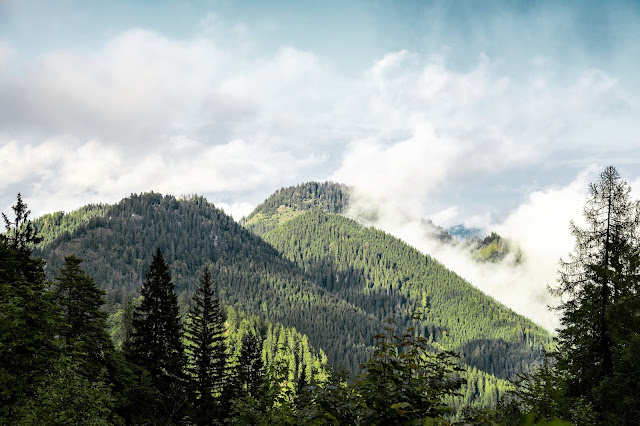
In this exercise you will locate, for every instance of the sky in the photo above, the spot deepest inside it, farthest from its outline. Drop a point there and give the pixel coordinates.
(492, 114)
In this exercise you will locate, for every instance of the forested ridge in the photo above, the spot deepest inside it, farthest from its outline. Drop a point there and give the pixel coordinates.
(287, 203)
(159, 310)
(253, 277)
(385, 277)
(249, 273)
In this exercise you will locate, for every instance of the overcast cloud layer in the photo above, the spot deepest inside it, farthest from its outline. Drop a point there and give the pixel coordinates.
(497, 126)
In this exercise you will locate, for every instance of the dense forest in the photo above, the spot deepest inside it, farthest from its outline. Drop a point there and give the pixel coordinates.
(164, 311)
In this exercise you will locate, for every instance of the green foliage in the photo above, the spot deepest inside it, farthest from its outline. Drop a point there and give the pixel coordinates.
(65, 397)
(403, 383)
(62, 225)
(382, 275)
(79, 300)
(601, 304)
(29, 320)
(206, 352)
(250, 367)
(377, 276)
(251, 275)
(20, 233)
(156, 343)
(287, 203)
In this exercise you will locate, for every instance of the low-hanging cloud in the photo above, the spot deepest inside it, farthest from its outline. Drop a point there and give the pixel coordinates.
(444, 129)
(538, 228)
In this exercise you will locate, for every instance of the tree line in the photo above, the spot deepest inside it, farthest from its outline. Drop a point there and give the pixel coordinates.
(58, 364)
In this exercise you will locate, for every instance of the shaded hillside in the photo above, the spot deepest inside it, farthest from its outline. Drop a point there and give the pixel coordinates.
(385, 277)
(287, 203)
(251, 275)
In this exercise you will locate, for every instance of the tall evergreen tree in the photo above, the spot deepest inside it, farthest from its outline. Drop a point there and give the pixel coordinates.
(20, 234)
(29, 320)
(156, 343)
(250, 368)
(601, 305)
(85, 334)
(206, 350)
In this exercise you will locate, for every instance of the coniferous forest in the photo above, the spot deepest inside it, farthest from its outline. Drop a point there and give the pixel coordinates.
(158, 310)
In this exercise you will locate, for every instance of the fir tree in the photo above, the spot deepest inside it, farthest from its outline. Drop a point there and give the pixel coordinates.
(79, 300)
(601, 305)
(206, 350)
(21, 234)
(250, 368)
(156, 343)
(29, 320)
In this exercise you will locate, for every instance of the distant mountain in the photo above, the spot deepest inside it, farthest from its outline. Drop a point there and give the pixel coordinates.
(462, 232)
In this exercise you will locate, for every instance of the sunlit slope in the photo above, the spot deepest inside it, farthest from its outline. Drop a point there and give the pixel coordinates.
(290, 202)
(249, 273)
(385, 277)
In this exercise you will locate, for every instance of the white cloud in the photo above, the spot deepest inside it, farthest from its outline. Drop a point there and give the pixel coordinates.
(74, 173)
(210, 114)
(447, 217)
(539, 226)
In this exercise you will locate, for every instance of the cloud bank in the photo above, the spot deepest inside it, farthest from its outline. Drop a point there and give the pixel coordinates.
(419, 132)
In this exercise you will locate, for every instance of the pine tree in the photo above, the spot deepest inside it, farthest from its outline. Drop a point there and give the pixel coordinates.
(156, 343)
(21, 234)
(85, 335)
(600, 307)
(250, 368)
(206, 350)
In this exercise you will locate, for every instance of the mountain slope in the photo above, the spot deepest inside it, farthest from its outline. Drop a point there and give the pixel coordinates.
(287, 203)
(250, 274)
(385, 277)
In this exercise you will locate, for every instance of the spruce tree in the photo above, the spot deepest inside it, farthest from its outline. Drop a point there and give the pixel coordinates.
(20, 234)
(29, 320)
(601, 306)
(207, 351)
(84, 334)
(250, 368)
(156, 342)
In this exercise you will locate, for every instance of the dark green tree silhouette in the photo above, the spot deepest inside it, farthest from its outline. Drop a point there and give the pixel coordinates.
(206, 351)
(596, 282)
(250, 368)
(79, 300)
(20, 234)
(156, 343)
(29, 320)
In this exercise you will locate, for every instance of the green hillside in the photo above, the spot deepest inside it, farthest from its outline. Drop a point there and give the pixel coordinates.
(250, 274)
(327, 279)
(385, 277)
(287, 203)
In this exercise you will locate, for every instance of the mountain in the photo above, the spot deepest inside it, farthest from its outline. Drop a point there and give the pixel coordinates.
(462, 232)
(310, 271)
(385, 277)
(287, 203)
(251, 275)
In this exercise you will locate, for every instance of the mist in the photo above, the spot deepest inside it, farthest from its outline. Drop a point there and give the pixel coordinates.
(538, 227)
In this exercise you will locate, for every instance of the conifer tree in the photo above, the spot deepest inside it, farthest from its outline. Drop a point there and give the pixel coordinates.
(601, 305)
(29, 320)
(250, 368)
(20, 233)
(206, 350)
(79, 300)
(156, 343)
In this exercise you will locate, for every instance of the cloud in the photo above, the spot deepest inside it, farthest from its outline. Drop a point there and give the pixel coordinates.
(539, 227)
(67, 172)
(150, 112)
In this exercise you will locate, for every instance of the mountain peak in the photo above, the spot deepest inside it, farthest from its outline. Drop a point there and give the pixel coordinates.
(287, 203)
